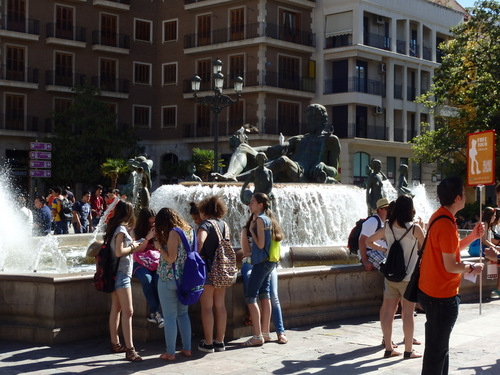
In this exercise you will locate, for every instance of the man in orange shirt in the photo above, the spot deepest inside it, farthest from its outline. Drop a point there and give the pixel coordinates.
(440, 275)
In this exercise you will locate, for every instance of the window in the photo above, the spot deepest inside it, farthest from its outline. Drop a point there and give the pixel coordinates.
(61, 105)
(204, 70)
(170, 31)
(289, 25)
(288, 118)
(360, 161)
(15, 61)
(204, 29)
(141, 116)
(64, 22)
(16, 15)
(237, 24)
(64, 69)
(416, 172)
(143, 30)
(202, 121)
(170, 74)
(391, 169)
(169, 117)
(289, 77)
(108, 75)
(236, 66)
(360, 80)
(236, 116)
(14, 112)
(109, 27)
(142, 73)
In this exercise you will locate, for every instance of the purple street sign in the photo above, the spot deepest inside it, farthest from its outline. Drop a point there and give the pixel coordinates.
(40, 146)
(40, 173)
(40, 155)
(40, 164)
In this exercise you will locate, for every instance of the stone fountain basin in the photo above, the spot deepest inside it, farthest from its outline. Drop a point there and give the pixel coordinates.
(58, 308)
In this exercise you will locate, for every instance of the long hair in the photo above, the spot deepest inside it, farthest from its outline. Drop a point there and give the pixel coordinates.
(142, 224)
(193, 210)
(276, 231)
(123, 215)
(166, 220)
(403, 212)
(213, 207)
(488, 213)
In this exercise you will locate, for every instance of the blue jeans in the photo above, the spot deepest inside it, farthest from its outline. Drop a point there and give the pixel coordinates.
(61, 227)
(259, 283)
(149, 282)
(441, 315)
(174, 313)
(246, 270)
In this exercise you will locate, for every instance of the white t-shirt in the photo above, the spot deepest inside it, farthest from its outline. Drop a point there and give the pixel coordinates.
(369, 227)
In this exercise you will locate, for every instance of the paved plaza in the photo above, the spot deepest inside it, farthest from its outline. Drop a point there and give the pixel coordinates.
(341, 347)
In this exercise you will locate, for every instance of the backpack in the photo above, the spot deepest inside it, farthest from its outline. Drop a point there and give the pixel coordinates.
(66, 212)
(393, 267)
(353, 239)
(194, 274)
(106, 267)
(224, 270)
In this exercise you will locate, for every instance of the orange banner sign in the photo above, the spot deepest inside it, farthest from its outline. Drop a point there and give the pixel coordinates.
(481, 158)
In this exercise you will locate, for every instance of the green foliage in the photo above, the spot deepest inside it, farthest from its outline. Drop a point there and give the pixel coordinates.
(113, 168)
(468, 80)
(85, 135)
(203, 160)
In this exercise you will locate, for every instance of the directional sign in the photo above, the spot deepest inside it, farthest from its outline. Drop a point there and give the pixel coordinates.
(40, 164)
(40, 173)
(40, 146)
(40, 155)
(481, 158)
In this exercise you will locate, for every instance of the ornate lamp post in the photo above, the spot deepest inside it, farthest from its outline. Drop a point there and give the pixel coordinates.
(216, 102)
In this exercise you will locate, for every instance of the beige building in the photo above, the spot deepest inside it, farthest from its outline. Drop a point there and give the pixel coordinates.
(364, 60)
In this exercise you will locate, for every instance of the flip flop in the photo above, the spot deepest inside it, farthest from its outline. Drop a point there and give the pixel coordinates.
(412, 354)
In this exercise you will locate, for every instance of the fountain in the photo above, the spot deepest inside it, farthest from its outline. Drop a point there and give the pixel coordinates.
(46, 290)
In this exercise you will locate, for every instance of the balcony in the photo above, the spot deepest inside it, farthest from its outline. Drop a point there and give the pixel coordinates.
(20, 28)
(427, 53)
(24, 75)
(114, 85)
(73, 37)
(398, 92)
(20, 122)
(378, 41)
(401, 47)
(263, 78)
(354, 84)
(338, 41)
(117, 43)
(201, 2)
(62, 79)
(251, 31)
(113, 4)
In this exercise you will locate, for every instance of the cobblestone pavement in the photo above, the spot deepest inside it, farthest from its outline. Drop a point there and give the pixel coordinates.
(341, 347)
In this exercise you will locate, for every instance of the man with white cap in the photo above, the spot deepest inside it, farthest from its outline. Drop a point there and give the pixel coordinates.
(372, 258)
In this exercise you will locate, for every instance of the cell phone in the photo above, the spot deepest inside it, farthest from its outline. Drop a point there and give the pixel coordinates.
(140, 240)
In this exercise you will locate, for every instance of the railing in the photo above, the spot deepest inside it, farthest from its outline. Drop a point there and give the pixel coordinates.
(111, 84)
(19, 121)
(64, 79)
(411, 93)
(378, 41)
(29, 75)
(398, 92)
(22, 25)
(76, 33)
(111, 40)
(401, 47)
(414, 48)
(354, 84)
(338, 41)
(186, 2)
(427, 53)
(251, 31)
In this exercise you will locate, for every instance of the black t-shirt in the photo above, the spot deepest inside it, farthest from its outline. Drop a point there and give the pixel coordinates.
(211, 242)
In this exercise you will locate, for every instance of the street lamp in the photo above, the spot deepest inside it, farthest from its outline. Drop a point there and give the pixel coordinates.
(218, 101)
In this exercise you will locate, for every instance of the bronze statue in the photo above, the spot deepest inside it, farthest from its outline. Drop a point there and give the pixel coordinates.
(374, 184)
(137, 189)
(403, 180)
(192, 176)
(312, 157)
(262, 178)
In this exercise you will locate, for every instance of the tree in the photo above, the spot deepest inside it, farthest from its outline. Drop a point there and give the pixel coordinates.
(113, 168)
(468, 80)
(203, 160)
(85, 135)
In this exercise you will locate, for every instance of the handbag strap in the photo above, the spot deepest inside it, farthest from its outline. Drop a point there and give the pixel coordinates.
(187, 247)
(421, 251)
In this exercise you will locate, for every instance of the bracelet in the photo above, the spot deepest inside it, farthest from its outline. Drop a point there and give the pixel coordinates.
(472, 267)
(132, 247)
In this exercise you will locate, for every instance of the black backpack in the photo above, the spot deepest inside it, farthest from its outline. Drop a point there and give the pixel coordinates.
(106, 268)
(353, 240)
(394, 267)
(66, 212)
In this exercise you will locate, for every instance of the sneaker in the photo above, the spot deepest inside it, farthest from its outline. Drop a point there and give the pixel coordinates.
(219, 346)
(157, 319)
(204, 347)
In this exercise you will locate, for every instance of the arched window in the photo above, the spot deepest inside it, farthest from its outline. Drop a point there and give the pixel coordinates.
(359, 173)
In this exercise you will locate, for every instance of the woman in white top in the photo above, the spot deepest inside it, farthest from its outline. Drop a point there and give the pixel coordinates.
(399, 222)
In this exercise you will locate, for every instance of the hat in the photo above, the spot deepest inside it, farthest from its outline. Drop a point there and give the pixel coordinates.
(382, 203)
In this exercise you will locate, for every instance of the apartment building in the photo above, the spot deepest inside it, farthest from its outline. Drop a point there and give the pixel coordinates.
(364, 60)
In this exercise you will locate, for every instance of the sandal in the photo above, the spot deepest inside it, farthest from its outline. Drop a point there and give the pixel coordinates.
(412, 354)
(186, 353)
(391, 353)
(131, 355)
(168, 357)
(282, 339)
(266, 336)
(415, 341)
(117, 348)
(393, 344)
(254, 341)
(496, 291)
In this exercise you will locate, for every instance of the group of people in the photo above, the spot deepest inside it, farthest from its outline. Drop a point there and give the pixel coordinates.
(153, 251)
(440, 269)
(59, 209)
